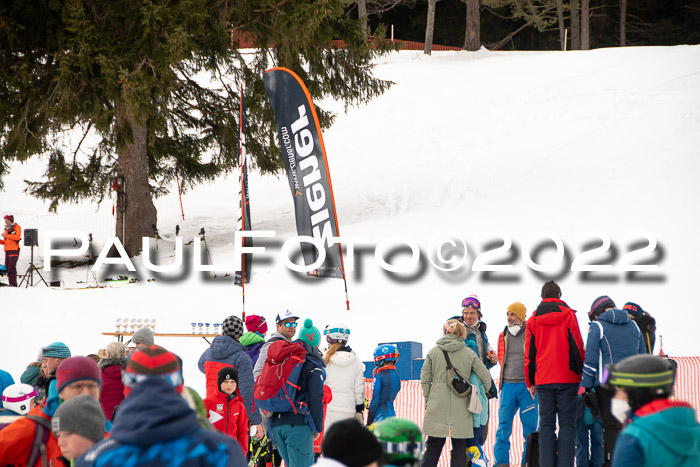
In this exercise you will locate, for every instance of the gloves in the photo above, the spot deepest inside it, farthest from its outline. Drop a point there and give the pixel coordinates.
(359, 408)
(590, 401)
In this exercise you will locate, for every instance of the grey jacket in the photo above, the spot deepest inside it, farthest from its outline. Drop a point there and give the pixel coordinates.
(263, 353)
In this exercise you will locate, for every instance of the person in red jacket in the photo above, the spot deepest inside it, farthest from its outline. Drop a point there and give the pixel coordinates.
(553, 368)
(112, 393)
(226, 410)
(10, 238)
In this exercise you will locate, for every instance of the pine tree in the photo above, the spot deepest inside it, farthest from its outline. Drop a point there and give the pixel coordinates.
(132, 77)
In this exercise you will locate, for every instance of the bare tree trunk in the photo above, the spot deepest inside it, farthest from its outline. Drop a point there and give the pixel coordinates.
(575, 26)
(429, 28)
(562, 28)
(585, 25)
(623, 23)
(472, 40)
(137, 213)
(362, 14)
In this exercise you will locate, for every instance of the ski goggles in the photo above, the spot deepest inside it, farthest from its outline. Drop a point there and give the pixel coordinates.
(390, 356)
(290, 325)
(132, 379)
(471, 302)
(21, 398)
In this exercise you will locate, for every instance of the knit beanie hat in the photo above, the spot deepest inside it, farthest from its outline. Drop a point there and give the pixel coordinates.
(152, 361)
(600, 304)
(310, 333)
(518, 309)
(56, 350)
(350, 443)
(227, 372)
(255, 323)
(143, 336)
(10, 217)
(232, 327)
(81, 415)
(76, 369)
(633, 309)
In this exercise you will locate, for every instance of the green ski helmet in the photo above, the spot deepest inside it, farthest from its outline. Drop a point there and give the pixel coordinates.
(401, 439)
(643, 377)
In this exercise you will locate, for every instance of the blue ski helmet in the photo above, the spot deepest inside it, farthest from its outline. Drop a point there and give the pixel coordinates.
(385, 353)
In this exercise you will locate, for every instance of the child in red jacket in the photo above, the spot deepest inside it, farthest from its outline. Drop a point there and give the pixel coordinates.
(226, 410)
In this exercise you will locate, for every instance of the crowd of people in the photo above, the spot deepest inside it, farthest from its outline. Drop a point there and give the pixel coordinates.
(280, 398)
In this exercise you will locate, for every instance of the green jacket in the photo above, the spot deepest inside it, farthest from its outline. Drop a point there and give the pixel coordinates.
(446, 413)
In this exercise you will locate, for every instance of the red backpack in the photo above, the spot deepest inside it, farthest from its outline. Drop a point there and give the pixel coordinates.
(277, 385)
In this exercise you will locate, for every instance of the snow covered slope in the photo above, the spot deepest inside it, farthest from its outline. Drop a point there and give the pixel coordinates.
(486, 147)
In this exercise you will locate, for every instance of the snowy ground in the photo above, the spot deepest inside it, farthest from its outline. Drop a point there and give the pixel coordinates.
(485, 147)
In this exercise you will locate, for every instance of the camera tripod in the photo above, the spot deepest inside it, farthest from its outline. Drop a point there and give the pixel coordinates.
(29, 275)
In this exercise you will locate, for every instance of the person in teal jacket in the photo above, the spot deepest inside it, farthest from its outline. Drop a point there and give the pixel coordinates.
(658, 432)
(475, 446)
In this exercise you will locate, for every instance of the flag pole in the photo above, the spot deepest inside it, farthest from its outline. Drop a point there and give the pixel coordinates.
(241, 159)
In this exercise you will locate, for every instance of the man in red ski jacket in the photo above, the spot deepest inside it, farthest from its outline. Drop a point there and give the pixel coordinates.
(553, 366)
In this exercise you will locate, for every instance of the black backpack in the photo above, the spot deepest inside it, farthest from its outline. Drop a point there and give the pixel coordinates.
(532, 452)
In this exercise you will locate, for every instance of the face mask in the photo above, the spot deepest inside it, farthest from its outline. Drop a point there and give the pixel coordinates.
(515, 329)
(620, 409)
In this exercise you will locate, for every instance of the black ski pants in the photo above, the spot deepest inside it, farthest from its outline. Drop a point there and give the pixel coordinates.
(458, 455)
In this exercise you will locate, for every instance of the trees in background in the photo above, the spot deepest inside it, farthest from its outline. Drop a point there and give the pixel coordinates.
(151, 88)
(537, 25)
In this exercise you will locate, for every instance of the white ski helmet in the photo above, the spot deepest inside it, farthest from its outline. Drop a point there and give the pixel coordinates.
(336, 332)
(18, 398)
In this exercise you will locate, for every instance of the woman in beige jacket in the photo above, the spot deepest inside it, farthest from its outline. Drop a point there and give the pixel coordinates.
(446, 413)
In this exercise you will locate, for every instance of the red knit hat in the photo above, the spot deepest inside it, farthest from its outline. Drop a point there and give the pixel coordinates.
(76, 369)
(150, 361)
(255, 323)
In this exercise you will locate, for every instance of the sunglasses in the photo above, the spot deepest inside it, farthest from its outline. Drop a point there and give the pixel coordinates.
(290, 325)
(471, 302)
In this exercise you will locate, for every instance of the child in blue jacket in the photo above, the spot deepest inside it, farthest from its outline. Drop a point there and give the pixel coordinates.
(386, 383)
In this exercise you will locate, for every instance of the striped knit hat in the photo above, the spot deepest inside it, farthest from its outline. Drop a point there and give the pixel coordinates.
(599, 305)
(152, 361)
(56, 350)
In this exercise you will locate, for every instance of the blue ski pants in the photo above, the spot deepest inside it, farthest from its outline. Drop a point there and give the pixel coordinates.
(514, 397)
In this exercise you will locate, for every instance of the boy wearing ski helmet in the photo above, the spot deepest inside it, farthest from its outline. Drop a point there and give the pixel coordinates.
(658, 431)
(402, 441)
(18, 400)
(386, 383)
